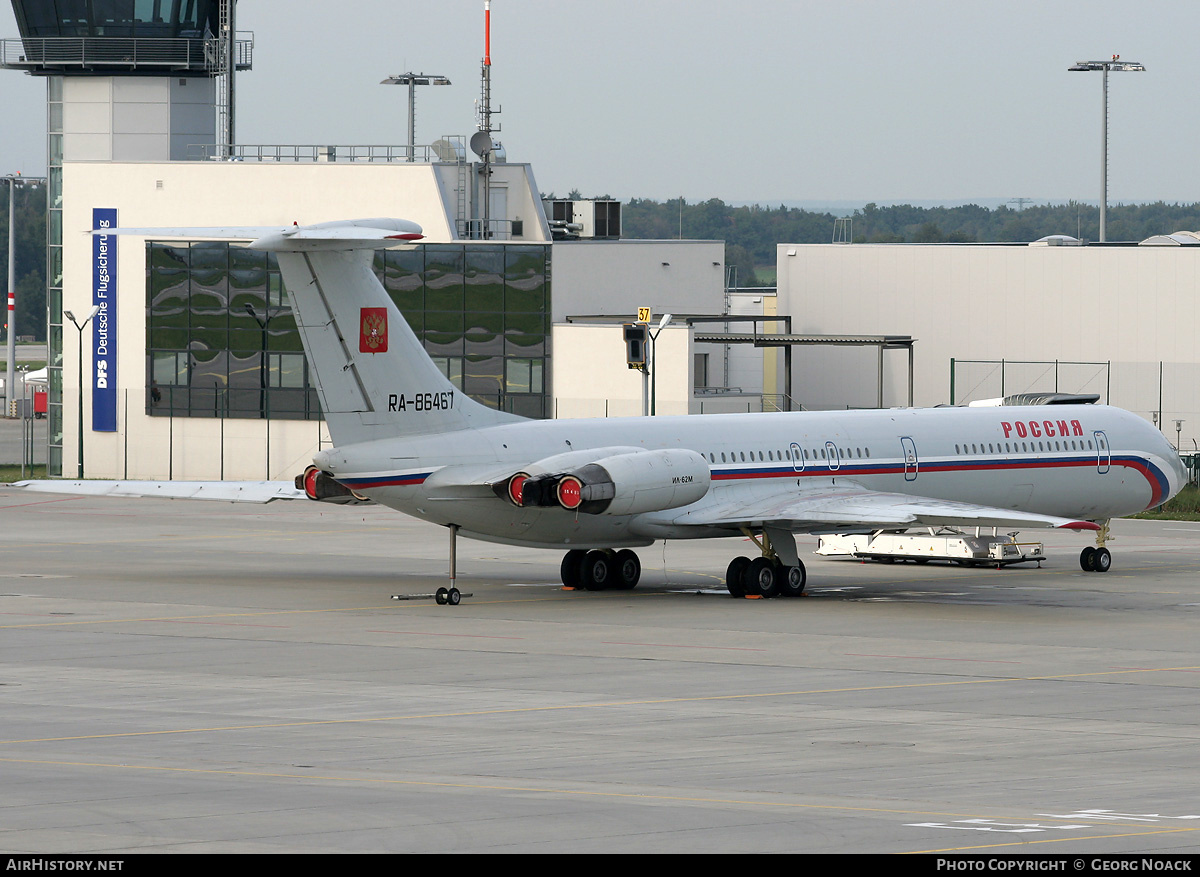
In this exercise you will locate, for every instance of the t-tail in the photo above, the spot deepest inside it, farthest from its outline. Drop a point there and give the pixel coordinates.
(373, 377)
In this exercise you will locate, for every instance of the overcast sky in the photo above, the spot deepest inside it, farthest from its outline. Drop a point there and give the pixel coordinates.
(769, 100)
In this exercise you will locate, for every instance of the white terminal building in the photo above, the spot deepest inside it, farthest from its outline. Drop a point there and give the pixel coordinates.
(1119, 321)
(193, 369)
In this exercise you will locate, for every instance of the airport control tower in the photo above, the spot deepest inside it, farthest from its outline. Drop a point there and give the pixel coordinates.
(126, 81)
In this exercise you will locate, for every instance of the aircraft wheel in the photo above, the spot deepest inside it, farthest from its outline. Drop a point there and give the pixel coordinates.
(571, 569)
(761, 578)
(454, 596)
(1087, 559)
(1102, 560)
(597, 569)
(793, 579)
(733, 576)
(629, 570)
(441, 596)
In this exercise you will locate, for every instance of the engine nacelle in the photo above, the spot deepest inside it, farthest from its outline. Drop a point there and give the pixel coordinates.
(321, 486)
(621, 484)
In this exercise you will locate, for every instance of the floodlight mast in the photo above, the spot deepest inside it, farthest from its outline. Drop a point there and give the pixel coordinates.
(10, 375)
(1115, 64)
(81, 326)
(412, 80)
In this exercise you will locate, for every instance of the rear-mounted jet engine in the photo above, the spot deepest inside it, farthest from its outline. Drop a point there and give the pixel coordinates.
(622, 484)
(322, 487)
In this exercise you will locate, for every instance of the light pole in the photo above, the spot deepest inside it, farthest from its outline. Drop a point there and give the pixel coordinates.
(263, 322)
(412, 80)
(662, 324)
(1115, 64)
(9, 377)
(81, 326)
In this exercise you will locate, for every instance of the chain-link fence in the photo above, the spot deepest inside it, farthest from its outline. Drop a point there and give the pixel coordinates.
(1165, 393)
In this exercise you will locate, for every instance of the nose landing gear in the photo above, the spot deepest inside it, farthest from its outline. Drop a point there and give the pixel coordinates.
(1097, 559)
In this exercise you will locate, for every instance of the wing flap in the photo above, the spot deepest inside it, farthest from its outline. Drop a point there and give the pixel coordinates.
(848, 507)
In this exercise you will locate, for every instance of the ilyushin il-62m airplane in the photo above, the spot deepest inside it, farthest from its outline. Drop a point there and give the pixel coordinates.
(405, 437)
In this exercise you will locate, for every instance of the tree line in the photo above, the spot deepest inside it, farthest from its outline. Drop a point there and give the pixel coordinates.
(751, 233)
(29, 247)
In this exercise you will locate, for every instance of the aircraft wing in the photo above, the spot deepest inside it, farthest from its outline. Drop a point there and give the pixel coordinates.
(225, 491)
(844, 507)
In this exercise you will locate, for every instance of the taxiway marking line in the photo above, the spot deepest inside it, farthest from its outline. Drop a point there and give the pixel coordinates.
(549, 790)
(955, 660)
(683, 646)
(451, 635)
(584, 706)
(23, 505)
(224, 623)
(193, 618)
(1059, 839)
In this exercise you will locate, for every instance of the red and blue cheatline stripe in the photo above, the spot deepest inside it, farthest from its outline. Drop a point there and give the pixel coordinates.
(1155, 477)
(400, 479)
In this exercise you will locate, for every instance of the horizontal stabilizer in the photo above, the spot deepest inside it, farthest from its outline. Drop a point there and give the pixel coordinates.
(349, 234)
(223, 491)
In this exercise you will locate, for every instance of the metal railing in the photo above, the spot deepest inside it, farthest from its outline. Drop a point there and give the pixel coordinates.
(304, 152)
(780, 402)
(486, 230)
(972, 379)
(172, 53)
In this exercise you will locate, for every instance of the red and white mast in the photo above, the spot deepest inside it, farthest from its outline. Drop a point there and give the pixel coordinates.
(485, 121)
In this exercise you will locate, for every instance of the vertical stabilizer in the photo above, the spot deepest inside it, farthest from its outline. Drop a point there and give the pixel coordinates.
(374, 378)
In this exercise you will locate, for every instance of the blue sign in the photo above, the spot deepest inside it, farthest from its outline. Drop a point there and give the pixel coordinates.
(104, 324)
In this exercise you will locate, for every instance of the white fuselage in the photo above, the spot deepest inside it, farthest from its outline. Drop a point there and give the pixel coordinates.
(1085, 462)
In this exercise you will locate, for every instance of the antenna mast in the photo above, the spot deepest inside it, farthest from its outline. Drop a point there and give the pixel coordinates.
(485, 144)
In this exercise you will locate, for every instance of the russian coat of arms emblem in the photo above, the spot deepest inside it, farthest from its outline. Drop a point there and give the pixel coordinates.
(373, 331)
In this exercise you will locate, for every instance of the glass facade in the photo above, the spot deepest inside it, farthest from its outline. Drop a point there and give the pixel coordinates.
(116, 18)
(221, 340)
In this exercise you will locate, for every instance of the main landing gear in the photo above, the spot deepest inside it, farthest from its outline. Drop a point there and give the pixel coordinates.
(1097, 559)
(601, 569)
(779, 572)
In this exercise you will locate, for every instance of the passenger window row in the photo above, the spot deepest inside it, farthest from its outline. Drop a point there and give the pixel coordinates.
(772, 456)
(1022, 447)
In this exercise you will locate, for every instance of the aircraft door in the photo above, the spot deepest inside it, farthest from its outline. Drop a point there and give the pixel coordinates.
(1103, 452)
(911, 464)
(834, 458)
(797, 457)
